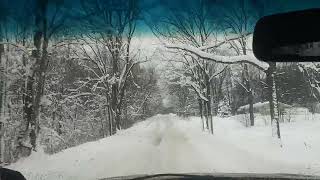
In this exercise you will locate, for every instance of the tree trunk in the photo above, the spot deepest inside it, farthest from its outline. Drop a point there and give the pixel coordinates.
(2, 101)
(2, 141)
(118, 119)
(114, 89)
(205, 115)
(102, 115)
(27, 139)
(41, 76)
(125, 120)
(201, 113)
(110, 118)
(24, 147)
(110, 114)
(209, 110)
(249, 94)
(251, 111)
(114, 100)
(273, 100)
(248, 85)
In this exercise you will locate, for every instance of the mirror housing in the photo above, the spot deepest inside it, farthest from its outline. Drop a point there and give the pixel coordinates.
(293, 36)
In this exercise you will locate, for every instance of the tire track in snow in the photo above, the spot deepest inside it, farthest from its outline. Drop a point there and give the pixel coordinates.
(193, 151)
(175, 153)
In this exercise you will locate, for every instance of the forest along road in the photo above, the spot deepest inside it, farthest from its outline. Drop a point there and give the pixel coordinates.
(161, 144)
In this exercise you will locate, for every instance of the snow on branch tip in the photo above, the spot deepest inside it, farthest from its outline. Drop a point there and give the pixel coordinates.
(249, 58)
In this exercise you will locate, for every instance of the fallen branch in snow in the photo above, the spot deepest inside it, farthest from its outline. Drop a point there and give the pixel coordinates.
(250, 58)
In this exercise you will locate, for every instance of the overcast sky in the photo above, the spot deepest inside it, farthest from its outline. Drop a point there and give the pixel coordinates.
(154, 10)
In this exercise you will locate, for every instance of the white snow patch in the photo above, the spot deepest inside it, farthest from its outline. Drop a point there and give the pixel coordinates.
(170, 144)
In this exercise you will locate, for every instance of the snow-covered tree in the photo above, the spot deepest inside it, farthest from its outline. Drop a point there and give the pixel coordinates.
(106, 52)
(192, 27)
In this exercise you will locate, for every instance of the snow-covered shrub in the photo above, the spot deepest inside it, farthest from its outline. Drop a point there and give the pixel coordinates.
(224, 109)
(50, 140)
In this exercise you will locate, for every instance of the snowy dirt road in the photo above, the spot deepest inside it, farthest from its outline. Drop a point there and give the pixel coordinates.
(169, 144)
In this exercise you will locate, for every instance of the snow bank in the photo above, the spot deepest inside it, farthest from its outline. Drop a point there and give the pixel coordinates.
(263, 107)
(170, 144)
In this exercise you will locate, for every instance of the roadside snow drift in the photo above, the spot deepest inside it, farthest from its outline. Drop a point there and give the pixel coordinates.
(170, 144)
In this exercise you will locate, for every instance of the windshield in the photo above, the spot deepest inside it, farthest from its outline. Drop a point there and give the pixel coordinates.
(94, 89)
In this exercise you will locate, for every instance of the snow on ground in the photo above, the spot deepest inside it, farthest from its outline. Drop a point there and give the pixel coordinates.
(170, 144)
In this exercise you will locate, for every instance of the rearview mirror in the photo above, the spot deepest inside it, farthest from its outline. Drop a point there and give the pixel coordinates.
(293, 36)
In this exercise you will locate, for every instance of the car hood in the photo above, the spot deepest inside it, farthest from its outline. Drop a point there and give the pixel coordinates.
(214, 176)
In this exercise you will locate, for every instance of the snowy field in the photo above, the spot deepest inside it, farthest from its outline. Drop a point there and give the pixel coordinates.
(170, 144)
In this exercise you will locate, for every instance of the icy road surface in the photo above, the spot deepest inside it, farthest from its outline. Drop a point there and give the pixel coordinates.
(170, 144)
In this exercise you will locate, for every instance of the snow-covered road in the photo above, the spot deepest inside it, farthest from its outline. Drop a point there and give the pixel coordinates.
(169, 144)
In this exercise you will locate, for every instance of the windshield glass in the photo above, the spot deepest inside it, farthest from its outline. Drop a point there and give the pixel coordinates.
(93, 89)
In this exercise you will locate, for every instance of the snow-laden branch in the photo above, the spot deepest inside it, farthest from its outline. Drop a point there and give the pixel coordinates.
(79, 95)
(250, 58)
(241, 84)
(308, 69)
(218, 73)
(206, 47)
(189, 82)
